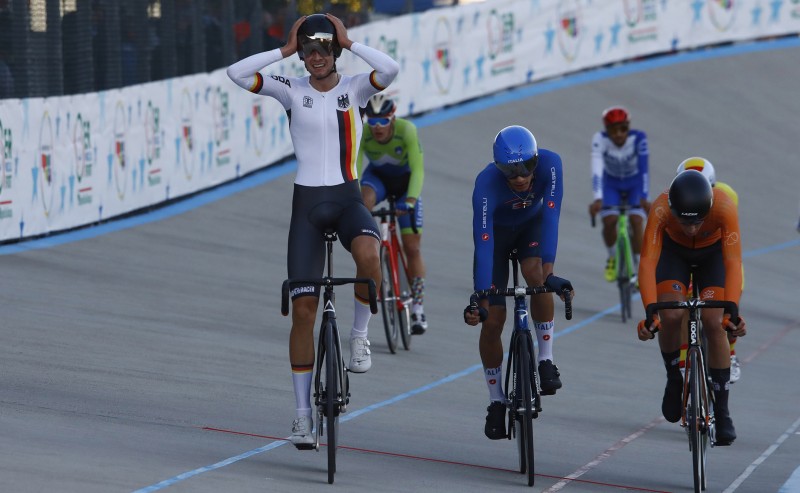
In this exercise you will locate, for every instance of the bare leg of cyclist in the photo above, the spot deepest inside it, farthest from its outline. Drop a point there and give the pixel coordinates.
(490, 346)
(364, 249)
(416, 269)
(610, 240)
(542, 311)
(368, 195)
(669, 341)
(301, 357)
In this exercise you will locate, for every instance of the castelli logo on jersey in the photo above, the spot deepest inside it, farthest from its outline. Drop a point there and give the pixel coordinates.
(485, 236)
(553, 180)
(551, 204)
(732, 238)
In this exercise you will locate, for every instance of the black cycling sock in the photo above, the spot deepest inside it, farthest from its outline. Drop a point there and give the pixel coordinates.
(719, 378)
(671, 363)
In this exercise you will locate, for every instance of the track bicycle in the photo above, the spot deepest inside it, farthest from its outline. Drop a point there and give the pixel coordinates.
(331, 383)
(626, 274)
(395, 288)
(522, 387)
(697, 411)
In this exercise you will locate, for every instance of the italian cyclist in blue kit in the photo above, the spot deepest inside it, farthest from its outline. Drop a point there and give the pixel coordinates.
(619, 165)
(325, 125)
(516, 204)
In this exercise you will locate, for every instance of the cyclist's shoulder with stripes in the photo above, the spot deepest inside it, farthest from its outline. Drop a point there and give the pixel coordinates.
(729, 191)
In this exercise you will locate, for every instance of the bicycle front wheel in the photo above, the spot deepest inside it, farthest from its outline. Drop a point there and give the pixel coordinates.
(404, 310)
(524, 405)
(695, 419)
(388, 300)
(333, 361)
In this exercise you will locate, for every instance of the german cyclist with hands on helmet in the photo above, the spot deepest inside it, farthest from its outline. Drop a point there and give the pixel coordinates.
(693, 224)
(619, 165)
(395, 167)
(516, 204)
(325, 125)
(705, 167)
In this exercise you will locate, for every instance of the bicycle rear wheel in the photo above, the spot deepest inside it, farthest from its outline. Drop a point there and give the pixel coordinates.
(695, 419)
(388, 301)
(332, 374)
(624, 283)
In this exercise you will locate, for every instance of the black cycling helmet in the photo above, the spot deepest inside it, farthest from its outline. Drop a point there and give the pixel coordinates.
(690, 196)
(318, 30)
(381, 106)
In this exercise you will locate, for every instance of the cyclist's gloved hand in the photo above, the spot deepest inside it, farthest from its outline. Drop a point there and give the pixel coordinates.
(557, 284)
(734, 330)
(647, 333)
(401, 207)
(474, 314)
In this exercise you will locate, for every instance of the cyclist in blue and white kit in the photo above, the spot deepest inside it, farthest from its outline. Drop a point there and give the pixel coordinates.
(619, 166)
(516, 204)
(325, 124)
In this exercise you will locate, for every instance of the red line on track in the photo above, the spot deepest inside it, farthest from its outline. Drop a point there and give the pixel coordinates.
(441, 461)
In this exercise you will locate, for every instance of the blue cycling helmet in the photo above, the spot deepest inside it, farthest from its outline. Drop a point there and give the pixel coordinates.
(515, 151)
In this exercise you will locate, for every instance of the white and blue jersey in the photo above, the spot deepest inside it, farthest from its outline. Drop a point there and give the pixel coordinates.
(503, 220)
(617, 170)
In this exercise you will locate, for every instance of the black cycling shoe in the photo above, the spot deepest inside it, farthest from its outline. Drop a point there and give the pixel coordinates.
(418, 324)
(725, 432)
(672, 400)
(495, 428)
(549, 377)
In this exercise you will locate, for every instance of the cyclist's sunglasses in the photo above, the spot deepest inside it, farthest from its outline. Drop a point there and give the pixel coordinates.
(522, 169)
(378, 122)
(321, 44)
(618, 127)
(691, 222)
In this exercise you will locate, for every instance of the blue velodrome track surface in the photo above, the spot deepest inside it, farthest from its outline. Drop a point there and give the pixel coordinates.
(148, 353)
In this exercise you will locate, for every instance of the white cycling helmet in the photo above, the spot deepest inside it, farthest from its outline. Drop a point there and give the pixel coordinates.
(701, 165)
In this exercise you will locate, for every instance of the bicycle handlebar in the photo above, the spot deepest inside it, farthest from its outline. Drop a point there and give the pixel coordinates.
(691, 304)
(523, 291)
(329, 281)
(392, 212)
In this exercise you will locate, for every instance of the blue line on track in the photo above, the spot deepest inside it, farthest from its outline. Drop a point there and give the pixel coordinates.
(436, 117)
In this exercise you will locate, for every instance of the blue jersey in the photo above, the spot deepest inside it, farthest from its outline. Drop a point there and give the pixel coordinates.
(625, 164)
(494, 203)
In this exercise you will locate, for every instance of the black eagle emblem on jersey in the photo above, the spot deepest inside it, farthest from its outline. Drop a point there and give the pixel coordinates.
(344, 101)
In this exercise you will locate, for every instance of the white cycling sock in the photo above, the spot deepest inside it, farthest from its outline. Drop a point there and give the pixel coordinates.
(612, 251)
(361, 317)
(302, 392)
(494, 380)
(544, 338)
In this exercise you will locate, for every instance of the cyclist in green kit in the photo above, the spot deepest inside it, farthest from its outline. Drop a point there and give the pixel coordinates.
(395, 167)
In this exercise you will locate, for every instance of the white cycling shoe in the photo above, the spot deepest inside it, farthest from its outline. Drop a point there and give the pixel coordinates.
(302, 435)
(360, 360)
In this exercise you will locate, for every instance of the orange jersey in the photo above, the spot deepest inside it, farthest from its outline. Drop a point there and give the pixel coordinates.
(721, 224)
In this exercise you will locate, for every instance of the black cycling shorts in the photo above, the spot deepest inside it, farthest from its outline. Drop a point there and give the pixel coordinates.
(315, 210)
(525, 239)
(675, 263)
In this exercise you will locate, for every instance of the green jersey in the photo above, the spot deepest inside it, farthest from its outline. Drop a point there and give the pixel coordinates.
(401, 155)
